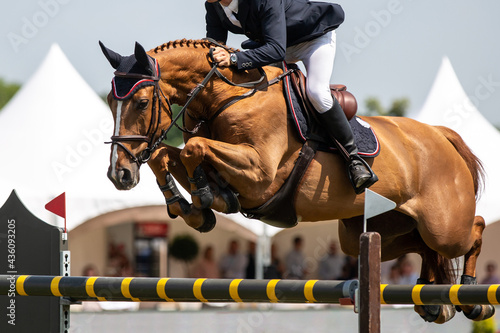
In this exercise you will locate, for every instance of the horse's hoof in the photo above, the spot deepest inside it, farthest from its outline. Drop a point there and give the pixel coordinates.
(447, 313)
(170, 214)
(231, 200)
(429, 313)
(438, 314)
(185, 207)
(209, 221)
(480, 312)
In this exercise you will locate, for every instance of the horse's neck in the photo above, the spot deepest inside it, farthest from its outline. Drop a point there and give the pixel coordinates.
(182, 73)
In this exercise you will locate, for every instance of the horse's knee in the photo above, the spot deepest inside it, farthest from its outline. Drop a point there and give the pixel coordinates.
(319, 97)
(193, 152)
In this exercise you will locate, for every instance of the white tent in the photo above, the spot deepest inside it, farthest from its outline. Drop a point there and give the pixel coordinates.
(52, 137)
(448, 105)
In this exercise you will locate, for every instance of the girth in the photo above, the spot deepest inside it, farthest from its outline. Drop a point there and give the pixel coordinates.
(279, 211)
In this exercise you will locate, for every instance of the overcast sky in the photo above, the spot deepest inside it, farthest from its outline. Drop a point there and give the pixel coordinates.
(386, 48)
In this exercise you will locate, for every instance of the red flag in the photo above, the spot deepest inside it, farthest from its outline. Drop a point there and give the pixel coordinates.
(58, 205)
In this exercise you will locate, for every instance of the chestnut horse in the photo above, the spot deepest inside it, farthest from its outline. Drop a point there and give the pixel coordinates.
(247, 146)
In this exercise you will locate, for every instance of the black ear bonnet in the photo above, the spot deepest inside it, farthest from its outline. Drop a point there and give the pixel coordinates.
(134, 72)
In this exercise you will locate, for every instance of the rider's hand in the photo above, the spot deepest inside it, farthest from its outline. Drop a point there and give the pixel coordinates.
(221, 56)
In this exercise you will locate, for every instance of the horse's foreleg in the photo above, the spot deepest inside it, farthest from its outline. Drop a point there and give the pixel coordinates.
(248, 172)
(162, 162)
(202, 220)
(166, 163)
(475, 312)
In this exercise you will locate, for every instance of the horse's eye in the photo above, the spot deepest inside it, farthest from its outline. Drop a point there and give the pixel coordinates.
(143, 104)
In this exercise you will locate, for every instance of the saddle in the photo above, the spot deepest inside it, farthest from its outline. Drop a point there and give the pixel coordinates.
(346, 100)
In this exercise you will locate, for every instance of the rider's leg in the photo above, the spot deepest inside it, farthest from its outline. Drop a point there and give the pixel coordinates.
(318, 57)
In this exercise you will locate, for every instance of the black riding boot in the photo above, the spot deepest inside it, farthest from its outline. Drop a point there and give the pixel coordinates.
(339, 130)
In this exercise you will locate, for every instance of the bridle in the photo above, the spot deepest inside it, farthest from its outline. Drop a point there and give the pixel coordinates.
(156, 108)
(154, 123)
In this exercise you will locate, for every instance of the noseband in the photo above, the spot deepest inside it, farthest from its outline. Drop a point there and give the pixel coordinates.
(155, 122)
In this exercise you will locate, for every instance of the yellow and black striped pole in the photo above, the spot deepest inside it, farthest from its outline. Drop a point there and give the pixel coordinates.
(427, 294)
(226, 290)
(179, 290)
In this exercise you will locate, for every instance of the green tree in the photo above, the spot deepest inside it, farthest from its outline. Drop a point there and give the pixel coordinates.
(185, 248)
(174, 137)
(7, 91)
(398, 108)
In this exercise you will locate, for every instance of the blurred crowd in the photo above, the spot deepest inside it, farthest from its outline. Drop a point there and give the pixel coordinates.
(332, 265)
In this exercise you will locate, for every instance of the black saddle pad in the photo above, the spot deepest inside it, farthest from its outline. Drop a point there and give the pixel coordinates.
(366, 140)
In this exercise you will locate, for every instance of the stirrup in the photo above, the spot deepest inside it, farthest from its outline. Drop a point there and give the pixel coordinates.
(372, 180)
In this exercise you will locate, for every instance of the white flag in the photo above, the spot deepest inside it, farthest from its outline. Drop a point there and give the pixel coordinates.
(375, 204)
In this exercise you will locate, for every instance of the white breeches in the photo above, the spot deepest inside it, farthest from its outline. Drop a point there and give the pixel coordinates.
(318, 56)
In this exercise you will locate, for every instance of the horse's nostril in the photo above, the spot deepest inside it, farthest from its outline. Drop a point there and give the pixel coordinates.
(125, 176)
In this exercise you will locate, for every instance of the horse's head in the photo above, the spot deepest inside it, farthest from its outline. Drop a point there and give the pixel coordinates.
(136, 103)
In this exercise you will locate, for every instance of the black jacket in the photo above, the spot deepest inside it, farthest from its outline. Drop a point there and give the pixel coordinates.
(274, 24)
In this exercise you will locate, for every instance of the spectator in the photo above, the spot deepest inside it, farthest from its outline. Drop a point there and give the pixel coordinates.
(275, 270)
(233, 264)
(295, 261)
(250, 270)
(90, 270)
(394, 274)
(118, 262)
(491, 275)
(207, 267)
(330, 266)
(350, 268)
(388, 271)
(406, 271)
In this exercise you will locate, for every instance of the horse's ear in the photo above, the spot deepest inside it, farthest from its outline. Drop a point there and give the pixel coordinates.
(142, 57)
(113, 57)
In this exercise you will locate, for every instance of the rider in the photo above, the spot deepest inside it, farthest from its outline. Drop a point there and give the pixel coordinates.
(291, 30)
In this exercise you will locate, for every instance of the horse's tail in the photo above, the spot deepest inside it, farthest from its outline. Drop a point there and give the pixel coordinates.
(473, 162)
(444, 271)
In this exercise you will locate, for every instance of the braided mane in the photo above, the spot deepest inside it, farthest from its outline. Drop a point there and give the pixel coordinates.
(186, 43)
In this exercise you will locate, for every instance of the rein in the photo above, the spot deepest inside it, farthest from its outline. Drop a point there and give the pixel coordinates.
(155, 122)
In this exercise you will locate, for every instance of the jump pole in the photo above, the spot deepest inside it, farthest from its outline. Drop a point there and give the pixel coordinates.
(82, 288)
(368, 299)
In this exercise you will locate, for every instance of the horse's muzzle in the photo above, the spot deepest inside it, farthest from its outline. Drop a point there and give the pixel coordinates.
(124, 178)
